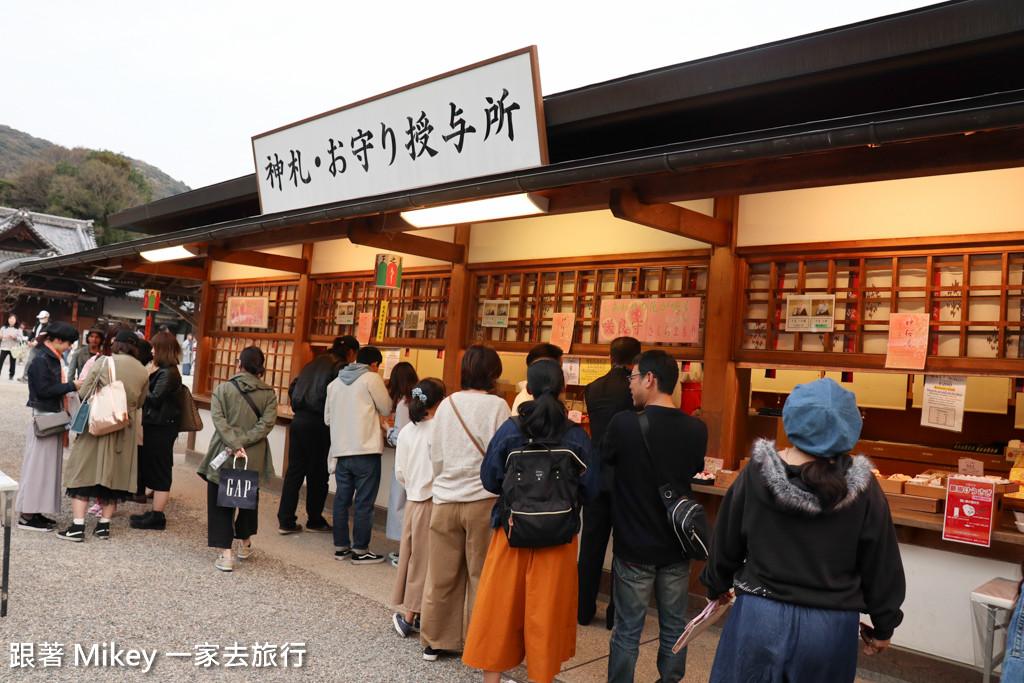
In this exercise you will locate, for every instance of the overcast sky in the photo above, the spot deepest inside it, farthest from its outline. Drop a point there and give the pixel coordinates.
(185, 85)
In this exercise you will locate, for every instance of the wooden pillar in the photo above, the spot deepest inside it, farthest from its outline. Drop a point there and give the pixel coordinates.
(726, 388)
(302, 352)
(204, 343)
(460, 296)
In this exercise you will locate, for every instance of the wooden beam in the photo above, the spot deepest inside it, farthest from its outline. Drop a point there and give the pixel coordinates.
(360, 232)
(180, 311)
(173, 270)
(460, 295)
(626, 205)
(259, 259)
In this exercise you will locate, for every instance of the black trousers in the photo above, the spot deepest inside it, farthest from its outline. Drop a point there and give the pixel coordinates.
(4, 355)
(597, 529)
(223, 526)
(309, 442)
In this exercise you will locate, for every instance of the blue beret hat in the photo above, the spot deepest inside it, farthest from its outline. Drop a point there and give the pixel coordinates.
(821, 418)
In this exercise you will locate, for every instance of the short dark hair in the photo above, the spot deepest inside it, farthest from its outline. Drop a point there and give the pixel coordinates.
(252, 360)
(368, 355)
(543, 351)
(623, 350)
(662, 366)
(481, 368)
(342, 345)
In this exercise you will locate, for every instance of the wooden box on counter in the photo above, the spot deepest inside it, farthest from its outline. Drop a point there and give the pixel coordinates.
(904, 502)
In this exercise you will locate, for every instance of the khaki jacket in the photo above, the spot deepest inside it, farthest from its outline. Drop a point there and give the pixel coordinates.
(238, 427)
(110, 460)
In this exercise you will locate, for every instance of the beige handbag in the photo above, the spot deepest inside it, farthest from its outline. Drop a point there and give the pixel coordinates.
(109, 411)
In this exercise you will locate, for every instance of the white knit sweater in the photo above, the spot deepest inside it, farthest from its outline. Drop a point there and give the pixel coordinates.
(455, 459)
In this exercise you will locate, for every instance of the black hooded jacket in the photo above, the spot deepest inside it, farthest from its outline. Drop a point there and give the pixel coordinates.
(772, 539)
(308, 392)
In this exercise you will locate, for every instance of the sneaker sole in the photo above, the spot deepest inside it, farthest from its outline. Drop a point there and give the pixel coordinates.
(398, 627)
(73, 539)
(34, 528)
(319, 530)
(285, 532)
(430, 658)
(223, 569)
(373, 561)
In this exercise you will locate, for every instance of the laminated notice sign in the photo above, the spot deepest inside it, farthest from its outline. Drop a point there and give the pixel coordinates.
(970, 510)
(942, 404)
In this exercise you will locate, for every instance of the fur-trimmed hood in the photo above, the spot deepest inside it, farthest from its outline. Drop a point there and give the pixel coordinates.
(789, 493)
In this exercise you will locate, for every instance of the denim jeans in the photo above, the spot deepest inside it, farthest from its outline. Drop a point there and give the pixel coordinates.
(771, 641)
(357, 478)
(632, 586)
(1013, 665)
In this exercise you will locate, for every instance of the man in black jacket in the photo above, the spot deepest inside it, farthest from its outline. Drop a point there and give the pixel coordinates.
(309, 439)
(606, 396)
(646, 553)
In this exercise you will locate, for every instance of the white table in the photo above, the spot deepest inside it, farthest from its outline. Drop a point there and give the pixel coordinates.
(8, 492)
(996, 595)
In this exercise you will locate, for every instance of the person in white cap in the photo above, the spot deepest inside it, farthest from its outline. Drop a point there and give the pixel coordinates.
(42, 320)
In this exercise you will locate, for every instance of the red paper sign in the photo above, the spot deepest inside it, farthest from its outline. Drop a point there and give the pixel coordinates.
(908, 341)
(970, 508)
(561, 330)
(364, 328)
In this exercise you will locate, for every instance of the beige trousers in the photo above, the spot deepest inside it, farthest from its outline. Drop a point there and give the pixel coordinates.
(459, 536)
(413, 555)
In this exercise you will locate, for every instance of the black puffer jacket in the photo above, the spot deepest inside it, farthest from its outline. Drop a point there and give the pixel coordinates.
(161, 406)
(308, 392)
(45, 388)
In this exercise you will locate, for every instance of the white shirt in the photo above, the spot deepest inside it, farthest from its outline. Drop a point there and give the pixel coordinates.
(413, 468)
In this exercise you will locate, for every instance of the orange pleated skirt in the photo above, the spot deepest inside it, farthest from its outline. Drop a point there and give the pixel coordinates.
(525, 607)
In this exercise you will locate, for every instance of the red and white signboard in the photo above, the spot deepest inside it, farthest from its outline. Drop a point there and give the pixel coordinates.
(970, 509)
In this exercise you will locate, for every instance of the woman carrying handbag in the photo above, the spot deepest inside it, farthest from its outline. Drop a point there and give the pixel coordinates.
(48, 386)
(106, 466)
(244, 410)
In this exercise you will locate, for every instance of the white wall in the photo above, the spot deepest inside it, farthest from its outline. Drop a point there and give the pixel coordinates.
(964, 203)
(220, 271)
(341, 256)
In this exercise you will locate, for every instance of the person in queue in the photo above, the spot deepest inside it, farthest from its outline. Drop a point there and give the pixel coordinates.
(309, 439)
(400, 385)
(526, 603)
(805, 538)
(160, 415)
(536, 353)
(460, 528)
(106, 467)
(1013, 660)
(48, 387)
(93, 340)
(243, 410)
(11, 336)
(605, 397)
(415, 473)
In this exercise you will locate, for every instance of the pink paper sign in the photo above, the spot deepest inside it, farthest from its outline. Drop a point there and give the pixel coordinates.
(365, 328)
(561, 330)
(908, 341)
(671, 320)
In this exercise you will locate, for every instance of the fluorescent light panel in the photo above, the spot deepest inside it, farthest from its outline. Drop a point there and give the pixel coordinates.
(478, 211)
(167, 254)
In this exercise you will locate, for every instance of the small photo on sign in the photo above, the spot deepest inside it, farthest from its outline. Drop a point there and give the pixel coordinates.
(414, 321)
(345, 313)
(495, 313)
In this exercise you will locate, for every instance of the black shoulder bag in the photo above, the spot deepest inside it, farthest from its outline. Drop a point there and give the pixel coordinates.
(686, 516)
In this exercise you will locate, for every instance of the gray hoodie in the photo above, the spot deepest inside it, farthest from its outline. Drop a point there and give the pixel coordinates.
(354, 401)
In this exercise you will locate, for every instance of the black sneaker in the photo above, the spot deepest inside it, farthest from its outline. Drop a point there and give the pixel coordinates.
(290, 530)
(367, 558)
(343, 554)
(403, 627)
(430, 654)
(74, 533)
(34, 523)
(154, 520)
(324, 528)
(102, 530)
(49, 522)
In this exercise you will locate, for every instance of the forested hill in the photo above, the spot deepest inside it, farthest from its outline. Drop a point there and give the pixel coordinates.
(17, 147)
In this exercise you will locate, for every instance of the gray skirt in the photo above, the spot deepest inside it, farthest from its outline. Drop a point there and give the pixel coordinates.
(39, 488)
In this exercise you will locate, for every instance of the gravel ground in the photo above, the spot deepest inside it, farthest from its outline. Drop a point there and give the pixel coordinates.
(159, 591)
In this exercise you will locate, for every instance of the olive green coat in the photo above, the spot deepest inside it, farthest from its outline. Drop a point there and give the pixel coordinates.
(110, 460)
(237, 426)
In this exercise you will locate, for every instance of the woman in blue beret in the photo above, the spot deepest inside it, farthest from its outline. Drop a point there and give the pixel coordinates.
(805, 539)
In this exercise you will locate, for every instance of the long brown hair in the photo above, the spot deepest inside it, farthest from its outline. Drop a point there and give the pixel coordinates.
(166, 349)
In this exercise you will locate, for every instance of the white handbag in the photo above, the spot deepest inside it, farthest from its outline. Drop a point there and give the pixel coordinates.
(109, 406)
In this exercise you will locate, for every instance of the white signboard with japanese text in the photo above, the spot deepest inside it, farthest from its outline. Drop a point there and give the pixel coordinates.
(478, 121)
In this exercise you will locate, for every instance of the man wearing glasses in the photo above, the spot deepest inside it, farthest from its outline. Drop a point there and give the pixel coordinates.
(646, 554)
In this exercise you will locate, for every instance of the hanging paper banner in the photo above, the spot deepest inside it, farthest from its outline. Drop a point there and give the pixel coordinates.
(248, 311)
(382, 320)
(151, 300)
(970, 507)
(561, 330)
(668, 320)
(364, 328)
(388, 271)
(908, 341)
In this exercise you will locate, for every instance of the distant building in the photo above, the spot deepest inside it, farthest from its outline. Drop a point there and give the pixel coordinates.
(26, 235)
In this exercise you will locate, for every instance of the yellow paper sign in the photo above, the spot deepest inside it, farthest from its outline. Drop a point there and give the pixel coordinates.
(592, 368)
(382, 320)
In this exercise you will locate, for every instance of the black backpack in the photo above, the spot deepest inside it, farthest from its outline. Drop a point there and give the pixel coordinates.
(539, 506)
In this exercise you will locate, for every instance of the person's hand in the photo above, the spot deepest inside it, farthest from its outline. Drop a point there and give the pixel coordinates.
(872, 646)
(78, 384)
(723, 599)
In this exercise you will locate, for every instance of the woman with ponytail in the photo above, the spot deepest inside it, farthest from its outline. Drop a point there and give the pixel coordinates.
(805, 538)
(526, 602)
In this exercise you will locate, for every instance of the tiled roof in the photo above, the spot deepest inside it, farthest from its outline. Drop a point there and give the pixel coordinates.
(61, 235)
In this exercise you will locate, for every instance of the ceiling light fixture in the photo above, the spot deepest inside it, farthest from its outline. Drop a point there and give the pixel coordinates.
(168, 254)
(478, 211)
